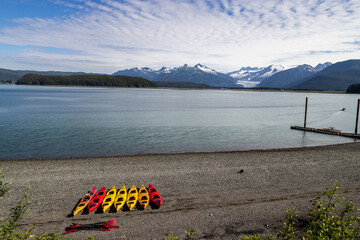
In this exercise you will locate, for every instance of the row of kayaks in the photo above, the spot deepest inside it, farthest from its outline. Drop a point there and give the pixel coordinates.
(119, 198)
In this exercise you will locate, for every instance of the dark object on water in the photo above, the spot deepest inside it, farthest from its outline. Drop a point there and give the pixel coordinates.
(343, 109)
(241, 171)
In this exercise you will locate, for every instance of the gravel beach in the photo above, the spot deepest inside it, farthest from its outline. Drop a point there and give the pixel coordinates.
(220, 195)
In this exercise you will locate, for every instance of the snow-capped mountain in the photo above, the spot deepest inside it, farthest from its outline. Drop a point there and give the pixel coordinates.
(252, 76)
(164, 70)
(289, 77)
(205, 69)
(144, 72)
(198, 74)
(273, 76)
(322, 66)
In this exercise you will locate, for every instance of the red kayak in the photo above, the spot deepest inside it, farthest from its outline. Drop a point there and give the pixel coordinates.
(97, 199)
(154, 196)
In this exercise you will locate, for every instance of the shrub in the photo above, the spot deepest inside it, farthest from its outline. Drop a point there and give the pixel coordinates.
(189, 235)
(4, 187)
(331, 218)
(8, 228)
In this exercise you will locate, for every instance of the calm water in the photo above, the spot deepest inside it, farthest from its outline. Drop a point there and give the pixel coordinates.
(56, 122)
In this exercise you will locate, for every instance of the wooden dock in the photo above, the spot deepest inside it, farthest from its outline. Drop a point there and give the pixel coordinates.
(326, 131)
(330, 130)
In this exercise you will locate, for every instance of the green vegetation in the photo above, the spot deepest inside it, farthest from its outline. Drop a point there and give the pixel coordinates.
(189, 235)
(331, 218)
(86, 80)
(354, 88)
(6, 82)
(9, 228)
(4, 186)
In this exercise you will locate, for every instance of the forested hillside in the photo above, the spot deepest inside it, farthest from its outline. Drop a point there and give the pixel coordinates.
(86, 80)
(354, 88)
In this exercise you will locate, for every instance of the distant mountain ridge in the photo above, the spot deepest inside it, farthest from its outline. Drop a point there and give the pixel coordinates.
(198, 74)
(144, 72)
(14, 75)
(272, 76)
(336, 77)
(252, 76)
(324, 76)
(290, 77)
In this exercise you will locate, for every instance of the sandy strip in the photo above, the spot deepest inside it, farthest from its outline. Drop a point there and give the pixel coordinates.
(203, 191)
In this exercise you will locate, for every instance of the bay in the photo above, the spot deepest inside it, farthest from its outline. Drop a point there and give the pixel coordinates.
(62, 122)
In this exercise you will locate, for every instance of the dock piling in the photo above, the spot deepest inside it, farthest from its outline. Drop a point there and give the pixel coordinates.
(357, 117)
(331, 131)
(306, 103)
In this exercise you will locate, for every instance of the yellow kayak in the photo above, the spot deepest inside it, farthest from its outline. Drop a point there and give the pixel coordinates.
(109, 199)
(143, 196)
(132, 197)
(120, 198)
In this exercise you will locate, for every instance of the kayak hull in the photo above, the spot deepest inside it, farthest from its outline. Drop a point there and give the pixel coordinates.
(120, 198)
(85, 201)
(132, 197)
(109, 199)
(143, 197)
(97, 199)
(155, 196)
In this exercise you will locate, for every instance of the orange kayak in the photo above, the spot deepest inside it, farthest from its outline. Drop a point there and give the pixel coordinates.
(84, 201)
(143, 197)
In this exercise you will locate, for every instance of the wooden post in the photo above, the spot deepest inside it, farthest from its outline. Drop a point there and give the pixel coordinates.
(306, 103)
(357, 117)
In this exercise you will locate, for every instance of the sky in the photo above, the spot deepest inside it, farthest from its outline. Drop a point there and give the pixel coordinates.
(104, 36)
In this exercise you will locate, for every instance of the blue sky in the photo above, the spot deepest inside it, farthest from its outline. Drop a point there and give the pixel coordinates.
(107, 35)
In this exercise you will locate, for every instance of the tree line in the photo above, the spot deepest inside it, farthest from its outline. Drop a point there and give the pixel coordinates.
(354, 88)
(86, 80)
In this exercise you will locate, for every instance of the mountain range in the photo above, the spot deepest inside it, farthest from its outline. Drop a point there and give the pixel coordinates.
(338, 77)
(198, 74)
(273, 76)
(252, 76)
(144, 72)
(324, 76)
(289, 77)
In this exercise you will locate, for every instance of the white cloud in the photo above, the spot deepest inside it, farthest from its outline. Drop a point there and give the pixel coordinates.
(222, 34)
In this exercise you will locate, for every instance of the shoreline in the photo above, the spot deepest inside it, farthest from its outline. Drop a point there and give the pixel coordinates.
(182, 153)
(186, 89)
(219, 195)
